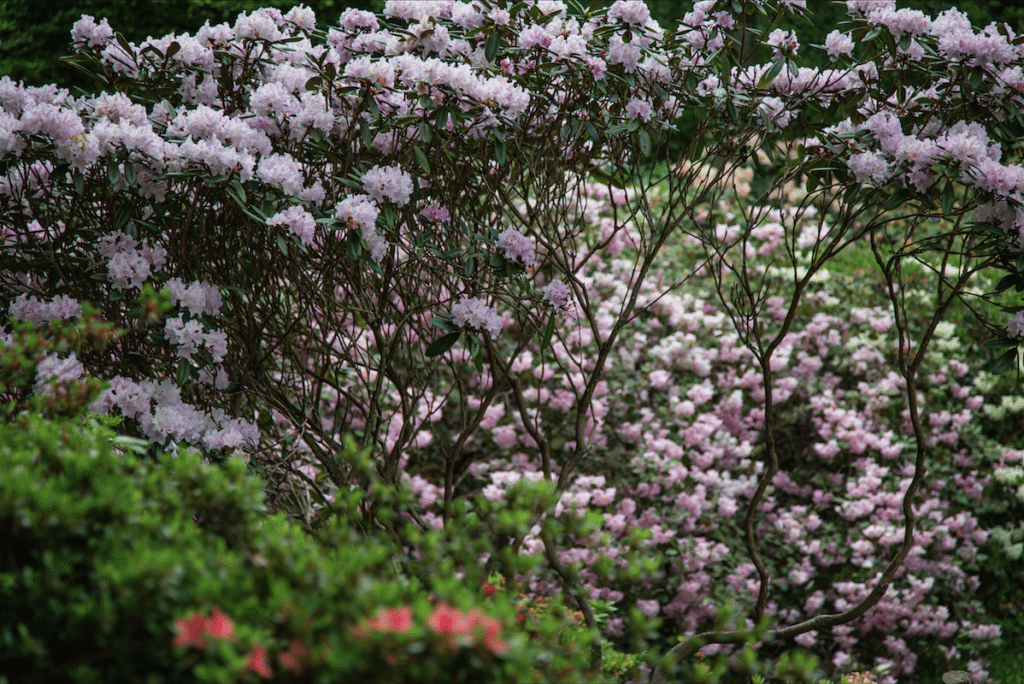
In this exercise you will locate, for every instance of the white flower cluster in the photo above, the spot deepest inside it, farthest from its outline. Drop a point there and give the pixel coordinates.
(517, 247)
(473, 312)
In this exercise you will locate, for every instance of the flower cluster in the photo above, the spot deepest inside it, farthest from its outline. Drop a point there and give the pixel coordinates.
(457, 628)
(517, 247)
(197, 631)
(473, 312)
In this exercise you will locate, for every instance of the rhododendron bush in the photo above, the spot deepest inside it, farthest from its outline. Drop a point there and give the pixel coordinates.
(492, 242)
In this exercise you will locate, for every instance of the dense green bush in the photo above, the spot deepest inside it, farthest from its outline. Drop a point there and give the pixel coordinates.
(104, 551)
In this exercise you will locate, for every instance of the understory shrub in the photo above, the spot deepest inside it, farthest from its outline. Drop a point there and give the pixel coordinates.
(121, 565)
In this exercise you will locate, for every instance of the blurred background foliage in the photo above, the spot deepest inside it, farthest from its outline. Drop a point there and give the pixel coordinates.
(34, 35)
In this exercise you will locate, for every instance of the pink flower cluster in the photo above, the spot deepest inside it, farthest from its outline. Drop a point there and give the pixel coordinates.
(473, 312)
(197, 630)
(517, 247)
(456, 628)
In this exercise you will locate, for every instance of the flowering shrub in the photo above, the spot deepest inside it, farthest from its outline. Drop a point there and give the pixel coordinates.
(442, 231)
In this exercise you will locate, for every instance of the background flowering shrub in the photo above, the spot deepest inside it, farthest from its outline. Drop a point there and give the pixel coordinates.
(442, 231)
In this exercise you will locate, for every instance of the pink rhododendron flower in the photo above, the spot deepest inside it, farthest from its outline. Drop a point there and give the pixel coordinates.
(557, 294)
(838, 44)
(517, 247)
(473, 312)
(388, 182)
(1015, 327)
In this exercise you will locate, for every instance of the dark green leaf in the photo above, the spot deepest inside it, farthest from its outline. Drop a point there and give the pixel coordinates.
(549, 330)
(184, 372)
(897, 199)
(124, 212)
(947, 198)
(113, 172)
(444, 323)
(282, 245)
(499, 152)
(1006, 362)
(421, 157)
(443, 344)
(851, 193)
(130, 176)
(492, 45)
(1006, 282)
(79, 181)
(645, 142)
(1000, 343)
(426, 133)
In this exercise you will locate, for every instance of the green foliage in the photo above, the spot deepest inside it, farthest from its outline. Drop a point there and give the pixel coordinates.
(102, 552)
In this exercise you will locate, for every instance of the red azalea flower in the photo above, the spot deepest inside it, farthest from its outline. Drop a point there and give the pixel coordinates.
(492, 628)
(448, 621)
(258, 662)
(387, 620)
(191, 631)
(220, 625)
(395, 619)
(295, 657)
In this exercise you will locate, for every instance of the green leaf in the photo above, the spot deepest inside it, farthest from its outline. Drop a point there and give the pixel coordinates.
(499, 152)
(1006, 282)
(426, 133)
(474, 349)
(549, 330)
(592, 131)
(645, 142)
(79, 181)
(770, 75)
(124, 44)
(444, 323)
(124, 212)
(492, 45)
(1006, 362)
(851, 193)
(184, 372)
(421, 157)
(1000, 343)
(895, 200)
(282, 245)
(239, 192)
(443, 344)
(947, 198)
(113, 172)
(441, 116)
(130, 176)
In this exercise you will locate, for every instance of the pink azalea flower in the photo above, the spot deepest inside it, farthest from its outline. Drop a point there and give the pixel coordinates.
(191, 632)
(258, 662)
(220, 626)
